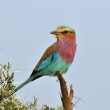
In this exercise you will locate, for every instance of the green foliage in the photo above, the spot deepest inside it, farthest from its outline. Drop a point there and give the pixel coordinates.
(12, 103)
(48, 108)
(6, 86)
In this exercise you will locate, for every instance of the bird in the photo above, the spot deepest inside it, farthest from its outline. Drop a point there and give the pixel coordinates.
(58, 57)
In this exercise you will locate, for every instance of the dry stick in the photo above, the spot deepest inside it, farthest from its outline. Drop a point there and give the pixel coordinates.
(71, 95)
(66, 100)
(24, 98)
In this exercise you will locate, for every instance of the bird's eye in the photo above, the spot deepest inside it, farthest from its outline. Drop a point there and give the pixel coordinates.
(64, 32)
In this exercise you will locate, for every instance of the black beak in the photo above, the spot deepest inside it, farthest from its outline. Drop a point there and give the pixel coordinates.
(54, 32)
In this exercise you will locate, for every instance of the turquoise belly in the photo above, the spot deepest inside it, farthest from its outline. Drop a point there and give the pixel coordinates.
(57, 65)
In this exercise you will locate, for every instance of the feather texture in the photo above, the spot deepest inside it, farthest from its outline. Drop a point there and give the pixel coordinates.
(58, 57)
(49, 51)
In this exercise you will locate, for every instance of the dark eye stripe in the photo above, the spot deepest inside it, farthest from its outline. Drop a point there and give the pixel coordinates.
(64, 32)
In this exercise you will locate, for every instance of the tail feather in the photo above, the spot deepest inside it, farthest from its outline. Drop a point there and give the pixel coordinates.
(22, 85)
(31, 78)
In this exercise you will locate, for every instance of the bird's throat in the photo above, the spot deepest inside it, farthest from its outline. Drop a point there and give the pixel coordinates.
(67, 49)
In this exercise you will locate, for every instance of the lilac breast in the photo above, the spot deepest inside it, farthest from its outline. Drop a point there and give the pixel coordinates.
(67, 49)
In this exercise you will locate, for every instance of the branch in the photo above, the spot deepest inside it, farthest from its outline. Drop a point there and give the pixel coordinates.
(65, 98)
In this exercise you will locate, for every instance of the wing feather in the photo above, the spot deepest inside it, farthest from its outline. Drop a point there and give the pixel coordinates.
(47, 57)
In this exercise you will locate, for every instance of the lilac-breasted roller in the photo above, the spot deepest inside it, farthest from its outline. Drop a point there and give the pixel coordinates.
(58, 57)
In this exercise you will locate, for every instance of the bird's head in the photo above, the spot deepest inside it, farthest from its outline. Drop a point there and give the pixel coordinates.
(64, 32)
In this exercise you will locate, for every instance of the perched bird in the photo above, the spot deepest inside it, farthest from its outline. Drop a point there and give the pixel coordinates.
(57, 57)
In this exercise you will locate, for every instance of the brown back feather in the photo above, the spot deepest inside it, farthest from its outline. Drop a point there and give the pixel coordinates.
(47, 53)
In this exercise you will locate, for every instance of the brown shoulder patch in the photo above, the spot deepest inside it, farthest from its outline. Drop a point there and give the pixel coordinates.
(47, 53)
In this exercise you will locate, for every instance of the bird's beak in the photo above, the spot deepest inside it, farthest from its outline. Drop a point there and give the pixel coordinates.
(54, 32)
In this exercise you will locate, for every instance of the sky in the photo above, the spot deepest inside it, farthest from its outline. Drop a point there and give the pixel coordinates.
(24, 33)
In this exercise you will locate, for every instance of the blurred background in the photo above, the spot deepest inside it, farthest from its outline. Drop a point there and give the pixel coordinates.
(24, 34)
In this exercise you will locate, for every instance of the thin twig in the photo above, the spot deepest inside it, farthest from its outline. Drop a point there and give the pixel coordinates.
(78, 98)
(76, 102)
(24, 97)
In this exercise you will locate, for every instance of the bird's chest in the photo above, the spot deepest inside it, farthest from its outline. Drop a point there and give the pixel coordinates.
(67, 51)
